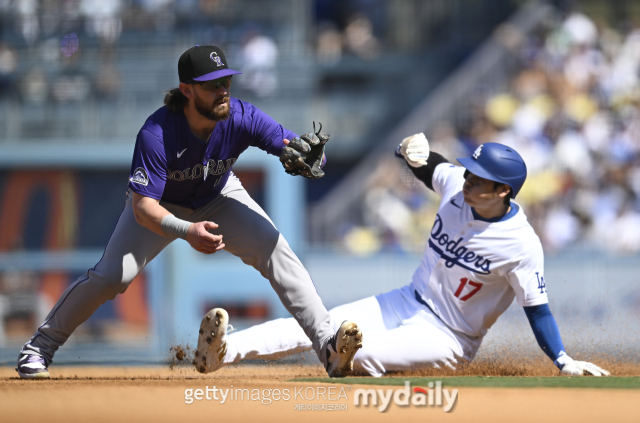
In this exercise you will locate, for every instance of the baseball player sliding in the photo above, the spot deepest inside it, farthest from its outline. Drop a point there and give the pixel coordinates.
(182, 186)
(481, 254)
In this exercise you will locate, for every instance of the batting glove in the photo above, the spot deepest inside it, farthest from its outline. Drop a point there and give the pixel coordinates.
(571, 367)
(414, 149)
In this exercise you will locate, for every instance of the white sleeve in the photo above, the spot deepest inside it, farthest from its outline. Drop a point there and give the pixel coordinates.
(527, 277)
(447, 180)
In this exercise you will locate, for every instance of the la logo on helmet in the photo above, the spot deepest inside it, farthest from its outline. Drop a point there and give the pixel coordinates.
(476, 153)
(216, 58)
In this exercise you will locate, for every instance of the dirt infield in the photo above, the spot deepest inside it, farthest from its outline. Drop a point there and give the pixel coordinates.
(106, 394)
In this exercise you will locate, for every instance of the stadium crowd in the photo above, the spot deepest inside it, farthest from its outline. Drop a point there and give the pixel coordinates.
(573, 112)
(572, 109)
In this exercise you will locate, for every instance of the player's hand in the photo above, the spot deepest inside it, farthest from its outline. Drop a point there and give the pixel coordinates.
(199, 237)
(414, 149)
(582, 368)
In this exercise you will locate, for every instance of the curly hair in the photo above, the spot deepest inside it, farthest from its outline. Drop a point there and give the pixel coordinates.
(175, 100)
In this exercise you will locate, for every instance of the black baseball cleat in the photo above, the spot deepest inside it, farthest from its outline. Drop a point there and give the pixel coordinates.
(32, 366)
(342, 348)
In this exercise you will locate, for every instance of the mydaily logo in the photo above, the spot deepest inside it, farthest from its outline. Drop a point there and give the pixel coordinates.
(417, 397)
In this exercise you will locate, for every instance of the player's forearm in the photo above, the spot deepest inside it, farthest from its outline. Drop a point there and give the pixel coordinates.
(425, 173)
(546, 331)
(150, 214)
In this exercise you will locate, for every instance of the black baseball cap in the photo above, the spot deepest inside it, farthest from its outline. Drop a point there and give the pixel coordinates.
(203, 63)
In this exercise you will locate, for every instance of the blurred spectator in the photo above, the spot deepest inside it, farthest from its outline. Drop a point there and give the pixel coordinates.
(259, 58)
(34, 87)
(69, 15)
(107, 80)
(71, 87)
(359, 38)
(211, 6)
(561, 228)
(72, 84)
(165, 18)
(69, 45)
(50, 52)
(103, 18)
(581, 29)
(8, 66)
(397, 212)
(329, 48)
(28, 20)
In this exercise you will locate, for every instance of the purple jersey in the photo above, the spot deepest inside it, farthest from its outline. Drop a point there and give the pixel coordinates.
(172, 165)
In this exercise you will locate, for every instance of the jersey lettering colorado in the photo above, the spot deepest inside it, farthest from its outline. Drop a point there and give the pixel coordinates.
(472, 269)
(172, 165)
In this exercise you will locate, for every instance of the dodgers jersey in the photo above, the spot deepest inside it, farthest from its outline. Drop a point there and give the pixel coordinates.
(472, 269)
(173, 165)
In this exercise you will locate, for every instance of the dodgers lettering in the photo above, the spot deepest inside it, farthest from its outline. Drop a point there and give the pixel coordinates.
(460, 253)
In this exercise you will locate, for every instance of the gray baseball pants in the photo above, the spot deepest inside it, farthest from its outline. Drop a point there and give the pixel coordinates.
(248, 233)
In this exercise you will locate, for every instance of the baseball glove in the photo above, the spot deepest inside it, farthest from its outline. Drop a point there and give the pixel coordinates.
(304, 154)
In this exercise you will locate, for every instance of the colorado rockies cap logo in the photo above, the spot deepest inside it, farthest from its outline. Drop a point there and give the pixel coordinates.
(214, 56)
(476, 153)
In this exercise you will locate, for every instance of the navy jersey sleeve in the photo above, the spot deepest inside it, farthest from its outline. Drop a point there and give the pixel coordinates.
(149, 167)
(267, 134)
(546, 331)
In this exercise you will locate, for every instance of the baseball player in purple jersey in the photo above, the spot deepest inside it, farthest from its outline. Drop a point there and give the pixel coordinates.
(182, 186)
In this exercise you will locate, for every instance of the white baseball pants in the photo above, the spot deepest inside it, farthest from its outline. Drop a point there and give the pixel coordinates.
(399, 333)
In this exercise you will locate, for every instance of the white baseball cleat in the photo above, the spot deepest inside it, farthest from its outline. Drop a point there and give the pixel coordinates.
(342, 348)
(32, 366)
(212, 341)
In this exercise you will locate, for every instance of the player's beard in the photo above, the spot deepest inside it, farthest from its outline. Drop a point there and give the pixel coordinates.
(213, 111)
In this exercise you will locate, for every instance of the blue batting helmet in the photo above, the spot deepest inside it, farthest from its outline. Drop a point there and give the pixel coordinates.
(498, 163)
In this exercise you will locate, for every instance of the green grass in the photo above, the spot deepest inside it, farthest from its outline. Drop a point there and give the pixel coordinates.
(493, 382)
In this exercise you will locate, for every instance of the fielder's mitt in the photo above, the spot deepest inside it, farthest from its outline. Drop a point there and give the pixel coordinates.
(304, 154)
